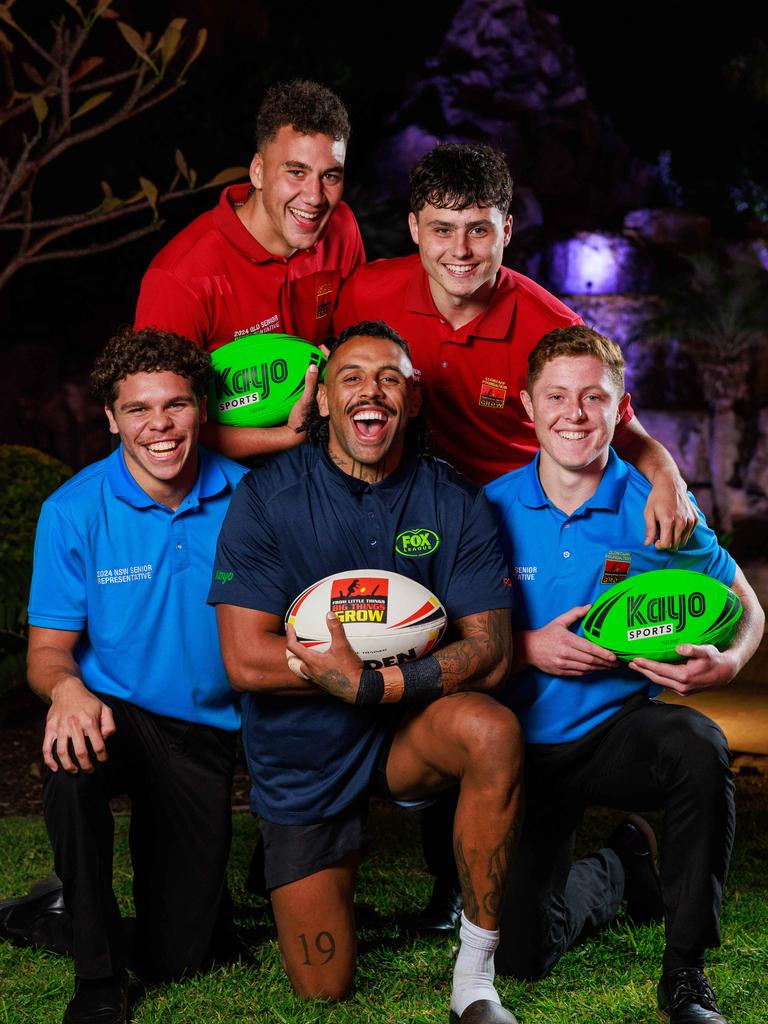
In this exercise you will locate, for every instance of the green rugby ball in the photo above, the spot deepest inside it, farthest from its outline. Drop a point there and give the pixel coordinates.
(648, 615)
(258, 378)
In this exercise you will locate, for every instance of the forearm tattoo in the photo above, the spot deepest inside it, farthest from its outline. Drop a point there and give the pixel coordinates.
(337, 684)
(486, 639)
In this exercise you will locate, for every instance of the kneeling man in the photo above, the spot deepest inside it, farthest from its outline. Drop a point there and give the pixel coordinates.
(124, 648)
(324, 736)
(595, 735)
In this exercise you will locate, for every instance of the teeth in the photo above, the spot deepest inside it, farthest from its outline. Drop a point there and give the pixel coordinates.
(572, 435)
(369, 414)
(163, 446)
(459, 268)
(303, 215)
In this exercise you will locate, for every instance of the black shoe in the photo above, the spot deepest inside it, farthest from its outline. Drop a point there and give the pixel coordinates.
(483, 1011)
(97, 1002)
(440, 916)
(37, 919)
(635, 845)
(685, 997)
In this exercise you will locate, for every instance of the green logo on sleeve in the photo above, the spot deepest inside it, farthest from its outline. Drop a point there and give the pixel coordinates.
(415, 543)
(223, 577)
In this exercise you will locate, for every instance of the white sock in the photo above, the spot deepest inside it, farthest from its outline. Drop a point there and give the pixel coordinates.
(474, 971)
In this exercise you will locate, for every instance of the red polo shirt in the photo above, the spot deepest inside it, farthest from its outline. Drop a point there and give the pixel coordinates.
(470, 378)
(214, 282)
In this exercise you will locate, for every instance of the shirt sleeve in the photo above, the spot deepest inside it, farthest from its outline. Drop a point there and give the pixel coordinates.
(702, 553)
(166, 303)
(479, 579)
(59, 596)
(247, 571)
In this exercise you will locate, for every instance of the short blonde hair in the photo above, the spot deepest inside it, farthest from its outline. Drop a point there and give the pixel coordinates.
(576, 341)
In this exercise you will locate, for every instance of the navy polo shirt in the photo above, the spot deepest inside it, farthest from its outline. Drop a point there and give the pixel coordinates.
(298, 519)
(558, 561)
(133, 575)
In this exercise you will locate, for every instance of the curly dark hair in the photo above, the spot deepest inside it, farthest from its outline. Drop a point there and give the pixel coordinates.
(306, 106)
(455, 175)
(148, 351)
(417, 437)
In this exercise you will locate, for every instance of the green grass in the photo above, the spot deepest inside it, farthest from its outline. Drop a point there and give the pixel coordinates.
(610, 980)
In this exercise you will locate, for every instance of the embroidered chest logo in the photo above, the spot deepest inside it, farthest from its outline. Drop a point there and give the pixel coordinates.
(415, 543)
(357, 600)
(493, 393)
(323, 300)
(124, 574)
(616, 567)
(525, 573)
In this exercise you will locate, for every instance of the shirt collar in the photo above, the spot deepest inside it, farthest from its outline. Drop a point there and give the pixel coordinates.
(608, 495)
(494, 322)
(389, 489)
(229, 224)
(210, 481)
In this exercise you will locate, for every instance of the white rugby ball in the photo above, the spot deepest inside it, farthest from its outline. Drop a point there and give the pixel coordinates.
(388, 618)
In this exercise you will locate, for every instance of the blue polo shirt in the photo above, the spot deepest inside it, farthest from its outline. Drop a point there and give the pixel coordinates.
(298, 519)
(133, 575)
(558, 561)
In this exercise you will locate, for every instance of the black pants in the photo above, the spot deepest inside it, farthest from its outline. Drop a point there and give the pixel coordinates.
(179, 778)
(648, 756)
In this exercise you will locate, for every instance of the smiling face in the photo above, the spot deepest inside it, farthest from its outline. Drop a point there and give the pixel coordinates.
(369, 395)
(158, 419)
(461, 251)
(299, 180)
(575, 406)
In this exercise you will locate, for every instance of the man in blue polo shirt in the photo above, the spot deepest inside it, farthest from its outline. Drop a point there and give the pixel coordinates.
(594, 734)
(124, 648)
(320, 732)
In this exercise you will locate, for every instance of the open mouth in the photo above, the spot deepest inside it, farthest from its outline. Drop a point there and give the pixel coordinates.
(306, 218)
(460, 269)
(163, 449)
(572, 435)
(370, 424)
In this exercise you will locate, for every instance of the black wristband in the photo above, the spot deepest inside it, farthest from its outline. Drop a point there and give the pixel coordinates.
(371, 688)
(422, 680)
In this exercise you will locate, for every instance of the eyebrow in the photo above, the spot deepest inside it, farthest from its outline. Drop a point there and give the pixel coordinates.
(359, 366)
(301, 166)
(452, 224)
(143, 401)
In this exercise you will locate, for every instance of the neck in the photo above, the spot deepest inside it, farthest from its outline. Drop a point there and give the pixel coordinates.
(566, 488)
(459, 310)
(250, 215)
(370, 472)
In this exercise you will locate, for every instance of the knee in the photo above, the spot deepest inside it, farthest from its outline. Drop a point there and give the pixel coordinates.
(698, 746)
(335, 989)
(491, 736)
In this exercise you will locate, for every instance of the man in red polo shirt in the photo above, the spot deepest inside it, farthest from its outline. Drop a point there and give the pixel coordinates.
(471, 324)
(271, 256)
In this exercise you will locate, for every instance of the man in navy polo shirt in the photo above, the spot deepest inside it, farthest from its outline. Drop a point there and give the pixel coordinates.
(124, 648)
(594, 734)
(320, 733)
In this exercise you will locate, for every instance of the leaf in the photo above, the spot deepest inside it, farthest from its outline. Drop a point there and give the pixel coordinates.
(90, 103)
(110, 14)
(75, 6)
(181, 163)
(228, 174)
(110, 203)
(33, 73)
(40, 108)
(5, 14)
(171, 39)
(136, 43)
(150, 191)
(106, 188)
(202, 39)
(100, 10)
(85, 67)
(5, 42)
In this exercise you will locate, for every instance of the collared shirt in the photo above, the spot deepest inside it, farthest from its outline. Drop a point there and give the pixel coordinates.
(471, 378)
(133, 575)
(558, 561)
(298, 519)
(214, 282)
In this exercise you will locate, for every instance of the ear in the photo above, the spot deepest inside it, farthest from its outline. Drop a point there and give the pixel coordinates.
(113, 427)
(203, 410)
(525, 398)
(322, 399)
(507, 229)
(256, 171)
(621, 408)
(413, 224)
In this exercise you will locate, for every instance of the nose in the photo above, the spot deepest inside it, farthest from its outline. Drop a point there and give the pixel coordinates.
(575, 410)
(312, 193)
(370, 387)
(160, 419)
(461, 246)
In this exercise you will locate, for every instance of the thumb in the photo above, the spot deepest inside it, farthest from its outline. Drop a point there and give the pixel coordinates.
(310, 381)
(569, 617)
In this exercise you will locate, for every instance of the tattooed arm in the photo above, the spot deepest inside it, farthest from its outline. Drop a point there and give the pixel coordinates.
(478, 658)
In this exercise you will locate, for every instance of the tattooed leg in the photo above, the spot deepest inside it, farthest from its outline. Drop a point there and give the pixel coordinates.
(316, 930)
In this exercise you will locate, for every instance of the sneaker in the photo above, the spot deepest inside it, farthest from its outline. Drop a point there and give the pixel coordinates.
(684, 996)
(635, 845)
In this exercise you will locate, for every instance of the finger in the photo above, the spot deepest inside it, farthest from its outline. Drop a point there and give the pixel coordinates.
(571, 616)
(62, 752)
(107, 725)
(292, 641)
(665, 539)
(82, 758)
(594, 650)
(661, 672)
(336, 629)
(48, 741)
(296, 666)
(96, 740)
(310, 382)
(650, 526)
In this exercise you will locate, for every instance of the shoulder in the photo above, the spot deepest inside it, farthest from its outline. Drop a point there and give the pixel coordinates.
(503, 491)
(394, 271)
(451, 485)
(272, 480)
(200, 234)
(538, 300)
(83, 489)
